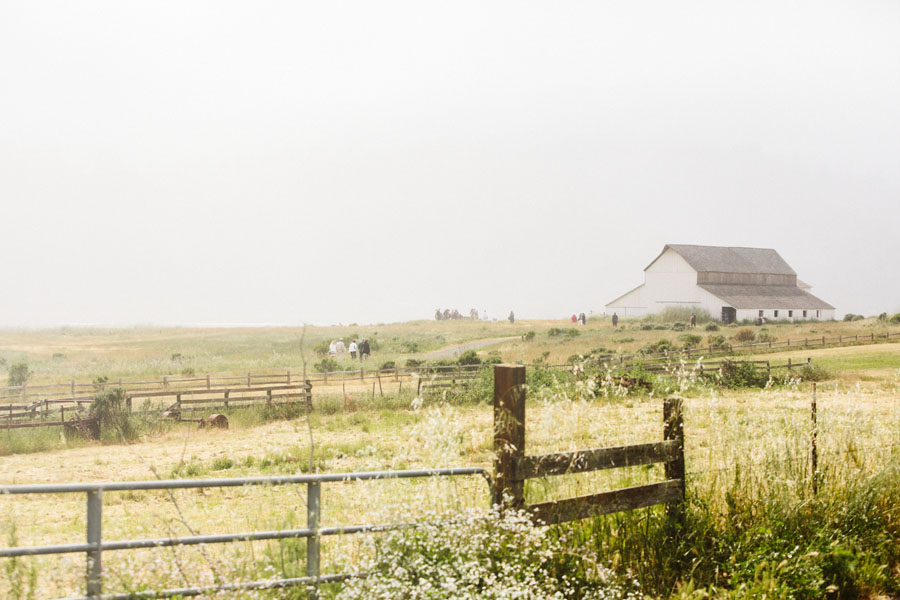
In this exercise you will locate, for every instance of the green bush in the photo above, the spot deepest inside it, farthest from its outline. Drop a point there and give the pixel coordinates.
(658, 347)
(718, 342)
(388, 364)
(222, 463)
(678, 326)
(19, 374)
(321, 349)
(895, 318)
(814, 372)
(326, 365)
(647, 327)
(469, 357)
(528, 336)
(765, 336)
(738, 374)
(414, 363)
(690, 340)
(493, 358)
(558, 331)
(108, 408)
(745, 335)
(883, 316)
(712, 327)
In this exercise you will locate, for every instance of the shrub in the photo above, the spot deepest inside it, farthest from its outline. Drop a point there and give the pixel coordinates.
(408, 346)
(814, 372)
(326, 365)
(321, 349)
(712, 327)
(108, 408)
(222, 463)
(19, 374)
(883, 316)
(493, 358)
(388, 364)
(469, 357)
(717, 342)
(176, 356)
(658, 347)
(528, 336)
(895, 318)
(678, 326)
(647, 327)
(737, 374)
(660, 327)
(690, 340)
(745, 335)
(413, 363)
(849, 317)
(188, 372)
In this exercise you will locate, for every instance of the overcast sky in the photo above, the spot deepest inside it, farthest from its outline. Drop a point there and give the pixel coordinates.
(324, 162)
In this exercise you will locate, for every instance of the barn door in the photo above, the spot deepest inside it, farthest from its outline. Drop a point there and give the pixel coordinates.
(729, 315)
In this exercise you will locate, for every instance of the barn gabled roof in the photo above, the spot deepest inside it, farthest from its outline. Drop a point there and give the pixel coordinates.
(725, 259)
(765, 296)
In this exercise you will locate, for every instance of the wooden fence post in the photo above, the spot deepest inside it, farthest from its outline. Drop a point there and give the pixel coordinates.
(509, 434)
(673, 429)
(815, 451)
(207, 381)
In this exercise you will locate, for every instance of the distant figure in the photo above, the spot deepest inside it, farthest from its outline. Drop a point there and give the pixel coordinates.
(511, 317)
(340, 348)
(484, 315)
(473, 314)
(574, 318)
(437, 315)
(352, 349)
(582, 318)
(364, 350)
(615, 320)
(447, 314)
(693, 320)
(332, 348)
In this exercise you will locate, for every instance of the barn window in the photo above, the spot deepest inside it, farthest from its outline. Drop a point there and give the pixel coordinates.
(790, 313)
(818, 314)
(804, 314)
(776, 314)
(760, 313)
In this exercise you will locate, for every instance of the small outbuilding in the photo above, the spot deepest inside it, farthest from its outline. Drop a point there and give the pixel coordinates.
(732, 284)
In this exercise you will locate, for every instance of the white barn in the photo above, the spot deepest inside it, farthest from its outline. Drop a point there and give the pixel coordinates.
(733, 284)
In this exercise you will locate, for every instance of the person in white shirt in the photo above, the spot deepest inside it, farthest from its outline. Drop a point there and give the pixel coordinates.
(352, 349)
(332, 348)
(340, 347)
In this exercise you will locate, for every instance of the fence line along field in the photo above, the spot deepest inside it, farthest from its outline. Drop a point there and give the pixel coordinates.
(747, 461)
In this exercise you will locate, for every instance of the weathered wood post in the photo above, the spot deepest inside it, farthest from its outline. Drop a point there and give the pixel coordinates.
(673, 429)
(814, 450)
(509, 435)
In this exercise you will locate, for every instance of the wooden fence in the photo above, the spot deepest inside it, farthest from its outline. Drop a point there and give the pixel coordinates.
(54, 412)
(512, 466)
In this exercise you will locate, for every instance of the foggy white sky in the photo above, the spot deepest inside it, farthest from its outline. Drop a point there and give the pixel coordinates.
(282, 162)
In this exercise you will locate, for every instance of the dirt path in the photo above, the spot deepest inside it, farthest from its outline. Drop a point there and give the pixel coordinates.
(454, 351)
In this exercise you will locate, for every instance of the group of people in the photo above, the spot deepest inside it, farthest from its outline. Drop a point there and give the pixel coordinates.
(448, 314)
(579, 318)
(336, 349)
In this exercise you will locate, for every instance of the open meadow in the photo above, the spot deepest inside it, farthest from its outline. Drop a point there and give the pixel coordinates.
(754, 527)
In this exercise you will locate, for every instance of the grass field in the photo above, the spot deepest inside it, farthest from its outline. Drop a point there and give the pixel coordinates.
(747, 458)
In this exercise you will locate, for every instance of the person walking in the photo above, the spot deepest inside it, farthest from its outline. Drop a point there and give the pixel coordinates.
(512, 317)
(332, 348)
(693, 320)
(340, 348)
(582, 318)
(615, 321)
(364, 349)
(352, 349)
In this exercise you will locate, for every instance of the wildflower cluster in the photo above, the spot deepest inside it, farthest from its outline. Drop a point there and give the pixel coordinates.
(478, 555)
